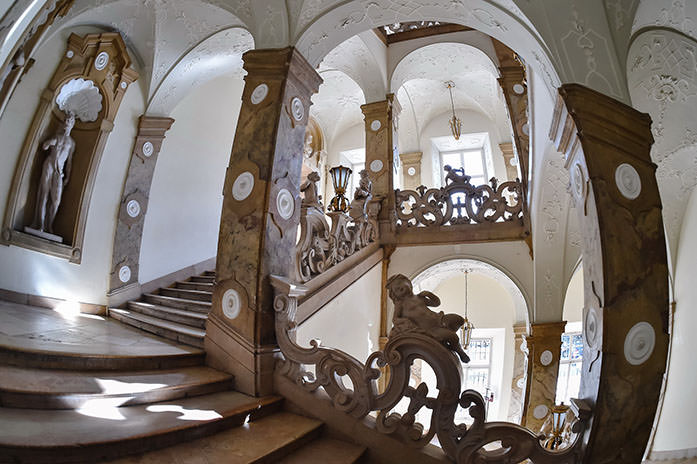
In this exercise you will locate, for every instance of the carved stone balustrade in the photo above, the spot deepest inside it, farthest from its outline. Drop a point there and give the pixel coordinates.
(318, 367)
(321, 246)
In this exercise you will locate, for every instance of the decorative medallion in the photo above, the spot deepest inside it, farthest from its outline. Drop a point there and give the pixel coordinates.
(232, 303)
(376, 165)
(259, 93)
(101, 61)
(546, 358)
(578, 180)
(520, 383)
(124, 85)
(590, 327)
(375, 125)
(639, 343)
(148, 149)
(540, 411)
(411, 171)
(628, 181)
(243, 186)
(297, 109)
(526, 129)
(519, 89)
(70, 54)
(125, 274)
(285, 204)
(133, 208)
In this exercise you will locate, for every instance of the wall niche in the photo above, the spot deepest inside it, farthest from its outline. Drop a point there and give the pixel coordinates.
(88, 85)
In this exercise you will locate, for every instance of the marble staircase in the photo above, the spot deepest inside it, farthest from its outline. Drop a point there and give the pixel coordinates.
(178, 312)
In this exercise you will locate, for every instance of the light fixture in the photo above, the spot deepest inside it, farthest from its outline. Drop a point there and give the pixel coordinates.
(455, 123)
(558, 419)
(340, 179)
(467, 327)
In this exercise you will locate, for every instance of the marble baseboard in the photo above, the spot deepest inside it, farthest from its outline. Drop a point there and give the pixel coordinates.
(688, 455)
(48, 302)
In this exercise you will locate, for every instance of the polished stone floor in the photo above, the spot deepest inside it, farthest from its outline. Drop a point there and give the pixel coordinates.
(39, 329)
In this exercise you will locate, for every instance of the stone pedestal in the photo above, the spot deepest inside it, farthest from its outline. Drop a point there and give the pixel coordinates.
(544, 350)
(261, 208)
(411, 169)
(381, 155)
(520, 368)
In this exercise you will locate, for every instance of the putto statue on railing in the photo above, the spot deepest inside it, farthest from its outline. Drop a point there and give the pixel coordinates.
(459, 202)
(474, 442)
(321, 246)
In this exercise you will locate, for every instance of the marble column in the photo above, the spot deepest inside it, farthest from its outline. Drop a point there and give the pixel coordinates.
(261, 207)
(123, 281)
(411, 169)
(544, 350)
(381, 156)
(520, 367)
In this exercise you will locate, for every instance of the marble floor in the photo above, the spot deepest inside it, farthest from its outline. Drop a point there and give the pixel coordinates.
(26, 327)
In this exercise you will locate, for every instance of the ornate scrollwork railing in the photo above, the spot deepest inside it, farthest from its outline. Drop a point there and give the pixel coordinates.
(321, 246)
(459, 202)
(479, 442)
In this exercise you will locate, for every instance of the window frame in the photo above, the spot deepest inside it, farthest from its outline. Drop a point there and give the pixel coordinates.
(461, 152)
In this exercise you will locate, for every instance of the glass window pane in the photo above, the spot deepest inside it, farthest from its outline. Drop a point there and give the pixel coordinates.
(473, 163)
(577, 346)
(565, 347)
(477, 379)
(479, 351)
(452, 159)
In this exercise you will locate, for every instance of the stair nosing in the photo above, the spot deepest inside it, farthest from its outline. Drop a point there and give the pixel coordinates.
(177, 328)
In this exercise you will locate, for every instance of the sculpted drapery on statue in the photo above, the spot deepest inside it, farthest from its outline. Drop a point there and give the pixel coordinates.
(55, 175)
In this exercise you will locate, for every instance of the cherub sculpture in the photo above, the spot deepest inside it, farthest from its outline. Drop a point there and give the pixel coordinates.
(456, 175)
(309, 189)
(362, 195)
(411, 314)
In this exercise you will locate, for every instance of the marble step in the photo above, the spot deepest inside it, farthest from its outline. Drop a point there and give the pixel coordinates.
(180, 316)
(202, 278)
(102, 432)
(179, 303)
(326, 451)
(205, 286)
(22, 387)
(263, 441)
(196, 295)
(208, 273)
(171, 330)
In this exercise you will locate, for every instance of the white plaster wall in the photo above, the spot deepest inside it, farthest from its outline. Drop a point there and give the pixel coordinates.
(349, 139)
(183, 219)
(472, 121)
(676, 427)
(490, 306)
(351, 321)
(27, 271)
(573, 300)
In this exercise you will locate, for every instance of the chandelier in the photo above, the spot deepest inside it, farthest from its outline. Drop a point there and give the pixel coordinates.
(467, 327)
(455, 123)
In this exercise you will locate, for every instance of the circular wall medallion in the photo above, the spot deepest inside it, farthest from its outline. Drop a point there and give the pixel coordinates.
(578, 180)
(639, 343)
(375, 125)
(526, 129)
(125, 274)
(70, 54)
(133, 208)
(232, 304)
(259, 93)
(546, 358)
(518, 88)
(376, 165)
(243, 186)
(124, 85)
(628, 181)
(285, 203)
(101, 61)
(148, 149)
(513, 161)
(520, 383)
(297, 109)
(540, 411)
(590, 327)
(411, 171)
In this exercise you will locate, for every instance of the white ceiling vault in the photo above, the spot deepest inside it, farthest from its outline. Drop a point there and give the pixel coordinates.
(337, 105)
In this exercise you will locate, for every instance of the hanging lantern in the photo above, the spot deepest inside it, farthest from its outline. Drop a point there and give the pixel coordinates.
(558, 419)
(340, 179)
(467, 327)
(455, 123)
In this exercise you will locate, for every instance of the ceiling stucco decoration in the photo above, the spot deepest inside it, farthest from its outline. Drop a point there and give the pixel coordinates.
(434, 275)
(680, 15)
(337, 104)
(218, 55)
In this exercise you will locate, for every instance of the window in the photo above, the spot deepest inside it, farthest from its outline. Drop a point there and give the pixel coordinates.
(477, 373)
(569, 380)
(471, 160)
(355, 177)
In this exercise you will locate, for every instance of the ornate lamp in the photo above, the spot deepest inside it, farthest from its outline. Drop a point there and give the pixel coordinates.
(455, 123)
(558, 420)
(340, 179)
(467, 327)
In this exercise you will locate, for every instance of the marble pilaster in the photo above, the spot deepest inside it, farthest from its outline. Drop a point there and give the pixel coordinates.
(520, 361)
(508, 156)
(411, 169)
(261, 207)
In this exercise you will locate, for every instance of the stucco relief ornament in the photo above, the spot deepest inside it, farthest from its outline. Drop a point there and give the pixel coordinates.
(148, 149)
(628, 181)
(297, 109)
(285, 204)
(259, 94)
(243, 186)
(124, 274)
(546, 358)
(376, 165)
(579, 181)
(80, 97)
(133, 208)
(232, 303)
(101, 61)
(639, 343)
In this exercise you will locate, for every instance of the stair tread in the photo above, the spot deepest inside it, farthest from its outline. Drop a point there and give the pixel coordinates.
(182, 300)
(168, 309)
(187, 290)
(256, 442)
(108, 423)
(326, 451)
(162, 323)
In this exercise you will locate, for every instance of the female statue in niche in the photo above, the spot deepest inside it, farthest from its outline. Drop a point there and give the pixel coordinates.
(55, 175)
(411, 314)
